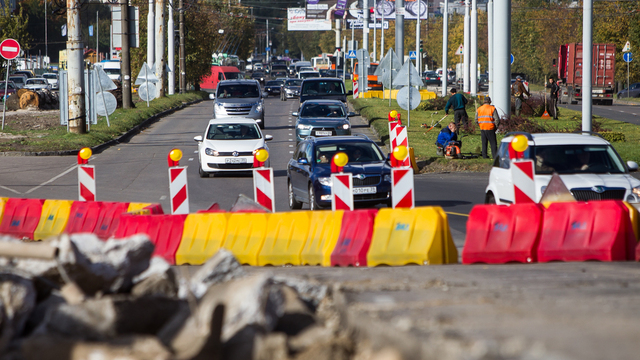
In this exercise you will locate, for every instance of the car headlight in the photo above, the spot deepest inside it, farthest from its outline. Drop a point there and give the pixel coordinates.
(211, 152)
(326, 181)
(258, 107)
(304, 127)
(346, 126)
(387, 178)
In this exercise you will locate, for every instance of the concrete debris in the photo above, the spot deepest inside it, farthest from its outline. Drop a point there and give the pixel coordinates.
(309, 290)
(158, 279)
(17, 301)
(246, 204)
(271, 347)
(221, 267)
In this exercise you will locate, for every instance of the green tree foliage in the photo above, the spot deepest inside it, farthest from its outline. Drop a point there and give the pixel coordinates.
(15, 26)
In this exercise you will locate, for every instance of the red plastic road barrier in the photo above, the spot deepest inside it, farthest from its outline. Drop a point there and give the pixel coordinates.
(83, 217)
(638, 252)
(498, 234)
(578, 231)
(156, 209)
(165, 231)
(355, 238)
(214, 208)
(21, 217)
(109, 218)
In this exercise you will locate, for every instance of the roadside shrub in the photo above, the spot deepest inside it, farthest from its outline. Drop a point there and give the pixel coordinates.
(520, 123)
(613, 136)
(433, 104)
(533, 106)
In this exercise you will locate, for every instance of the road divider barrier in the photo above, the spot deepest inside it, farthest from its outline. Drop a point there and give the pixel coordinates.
(634, 215)
(285, 239)
(355, 238)
(418, 236)
(164, 231)
(245, 236)
(324, 233)
(53, 219)
(499, 234)
(203, 236)
(3, 202)
(21, 217)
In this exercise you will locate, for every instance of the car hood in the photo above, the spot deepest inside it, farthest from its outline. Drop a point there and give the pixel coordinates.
(234, 145)
(587, 181)
(294, 88)
(316, 122)
(238, 101)
(374, 168)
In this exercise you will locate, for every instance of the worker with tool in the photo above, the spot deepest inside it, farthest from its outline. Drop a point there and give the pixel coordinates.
(446, 137)
(458, 101)
(488, 120)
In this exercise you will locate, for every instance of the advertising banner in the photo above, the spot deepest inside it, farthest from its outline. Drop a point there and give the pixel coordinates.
(387, 9)
(297, 21)
(326, 9)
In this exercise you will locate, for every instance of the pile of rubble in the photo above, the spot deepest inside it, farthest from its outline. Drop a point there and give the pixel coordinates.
(77, 297)
(33, 100)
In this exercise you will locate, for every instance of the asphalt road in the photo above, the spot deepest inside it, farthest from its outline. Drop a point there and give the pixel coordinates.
(626, 113)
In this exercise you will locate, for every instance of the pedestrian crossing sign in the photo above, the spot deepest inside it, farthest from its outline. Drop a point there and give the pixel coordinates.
(412, 55)
(460, 50)
(351, 54)
(627, 47)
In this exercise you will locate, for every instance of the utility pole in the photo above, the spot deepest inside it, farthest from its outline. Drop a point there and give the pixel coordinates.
(365, 29)
(267, 45)
(151, 38)
(46, 30)
(375, 28)
(490, 45)
(160, 46)
(418, 53)
(445, 47)
(400, 30)
(97, 36)
(473, 69)
(501, 57)
(587, 59)
(183, 71)
(75, 69)
(125, 65)
(467, 45)
(171, 49)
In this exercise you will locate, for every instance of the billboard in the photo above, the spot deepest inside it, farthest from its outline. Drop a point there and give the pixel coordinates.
(387, 9)
(297, 21)
(326, 9)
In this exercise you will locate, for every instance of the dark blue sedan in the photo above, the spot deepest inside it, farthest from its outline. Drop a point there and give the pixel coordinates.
(309, 171)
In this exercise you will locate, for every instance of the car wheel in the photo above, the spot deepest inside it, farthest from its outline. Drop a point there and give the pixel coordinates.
(490, 199)
(312, 199)
(293, 203)
(203, 174)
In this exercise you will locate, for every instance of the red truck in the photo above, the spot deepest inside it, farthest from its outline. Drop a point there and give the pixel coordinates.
(602, 74)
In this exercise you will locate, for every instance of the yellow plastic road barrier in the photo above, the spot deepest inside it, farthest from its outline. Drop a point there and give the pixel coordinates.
(286, 237)
(245, 236)
(426, 95)
(414, 164)
(324, 232)
(3, 201)
(635, 219)
(139, 208)
(54, 218)
(411, 236)
(202, 236)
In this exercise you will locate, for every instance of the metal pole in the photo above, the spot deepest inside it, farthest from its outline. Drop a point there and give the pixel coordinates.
(183, 72)
(391, 78)
(467, 45)
(267, 45)
(400, 30)
(353, 47)
(171, 49)
(125, 66)
(627, 80)
(6, 87)
(418, 54)
(146, 82)
(501, 57)
(375, 41)
(473, 69)
(365, 29)
(382, 36)
(445, 48)
(46, 30)
(160, 36)
(151, 46)
(104, 103)
(97, 35)
(75, 72)
(344, 61)
(490, 45)
(587, 60)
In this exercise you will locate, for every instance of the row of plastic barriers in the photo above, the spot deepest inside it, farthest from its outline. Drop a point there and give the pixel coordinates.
(328, 238)
(572, 231)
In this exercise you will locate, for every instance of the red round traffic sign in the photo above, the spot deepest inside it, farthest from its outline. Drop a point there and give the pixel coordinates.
(9, 49)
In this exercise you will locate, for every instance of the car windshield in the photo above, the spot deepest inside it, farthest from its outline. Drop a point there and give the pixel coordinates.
(9, 85)
(233, 132)
(296, 82)
(238, 91)
(232, 76)
(17, 79)
(372, 69)
(37, 82)
(572, 159)
(323, 88)
(358, 152)
(49, 76)
(305, 75)
(112, 71)
(273, 83)
(314, 110)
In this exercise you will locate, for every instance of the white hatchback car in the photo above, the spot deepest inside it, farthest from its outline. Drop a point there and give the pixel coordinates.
(588, 165)
(229, 145)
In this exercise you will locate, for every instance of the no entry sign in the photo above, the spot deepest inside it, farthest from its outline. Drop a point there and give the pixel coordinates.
(9, 49)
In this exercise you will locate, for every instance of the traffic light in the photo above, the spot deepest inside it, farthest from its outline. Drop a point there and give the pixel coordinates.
(420, 45)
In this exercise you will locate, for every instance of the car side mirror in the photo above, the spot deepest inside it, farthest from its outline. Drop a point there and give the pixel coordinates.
(303, 161)
(350, 92)
(198, 138)
(212, 96)
(351, 114)
(268, 137)
(294, 113)
(632, 165)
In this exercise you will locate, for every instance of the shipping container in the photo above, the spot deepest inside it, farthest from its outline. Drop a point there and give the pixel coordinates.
(602, 75)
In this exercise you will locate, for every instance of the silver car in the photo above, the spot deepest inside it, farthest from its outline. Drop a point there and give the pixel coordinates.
(239, 98)
(35, 84)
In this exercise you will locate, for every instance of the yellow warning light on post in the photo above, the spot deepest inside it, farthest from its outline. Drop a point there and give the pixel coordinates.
(520, 143)
(262, 155)
(340, 159)
(85, 153)
(393, 114)
(175, 155)
(400, 152)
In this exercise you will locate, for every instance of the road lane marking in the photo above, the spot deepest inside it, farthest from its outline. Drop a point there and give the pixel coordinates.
(190, 159)
(290, 152)
(73, 167)
(455, 213)
(290, 139)
(290, 145)
(9, 189)
(290, 134)
(163, 197)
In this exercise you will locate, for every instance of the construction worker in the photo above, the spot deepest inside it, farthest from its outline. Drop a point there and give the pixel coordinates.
(458, 101)
(488, 120)
(519, 90)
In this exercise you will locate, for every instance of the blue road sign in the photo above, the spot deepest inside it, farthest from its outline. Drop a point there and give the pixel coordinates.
(286, 51)
(351, 54)
(512, 58)
(268, 48)
(412, 55)
(628, 57)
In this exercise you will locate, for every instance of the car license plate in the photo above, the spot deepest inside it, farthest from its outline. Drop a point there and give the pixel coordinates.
(235, 160)
(364, 190)
(323, 133)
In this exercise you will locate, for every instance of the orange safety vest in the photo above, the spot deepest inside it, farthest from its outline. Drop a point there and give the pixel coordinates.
(485, 117)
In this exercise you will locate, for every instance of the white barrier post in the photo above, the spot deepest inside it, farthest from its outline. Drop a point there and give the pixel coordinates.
(86, 176)
(263, 190)
(178, 183)
(522, 172)
(402, 193)
(341, 184)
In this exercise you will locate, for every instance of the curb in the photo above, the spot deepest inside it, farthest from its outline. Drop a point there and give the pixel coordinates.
(99, 148)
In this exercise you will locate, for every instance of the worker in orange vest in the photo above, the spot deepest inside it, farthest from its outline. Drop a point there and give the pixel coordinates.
(488, 120)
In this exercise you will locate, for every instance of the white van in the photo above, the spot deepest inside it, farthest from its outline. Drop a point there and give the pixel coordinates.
(112, 68)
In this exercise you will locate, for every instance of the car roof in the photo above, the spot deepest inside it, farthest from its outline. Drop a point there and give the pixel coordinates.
(322, 79)
(232, 120)
(238, 81)
(323, 101)
(563, 139)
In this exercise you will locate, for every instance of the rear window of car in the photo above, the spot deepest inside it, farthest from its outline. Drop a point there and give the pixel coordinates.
(273, 83)
(297, 82)
(358, 152)
(233, 132)
(326, 87)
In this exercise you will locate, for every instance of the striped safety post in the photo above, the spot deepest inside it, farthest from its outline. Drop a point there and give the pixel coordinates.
(86, 176)
(263, 188)
(178, 190)
(394, 120)
(355, 89)
(402, 189)
(341, 184)
(400, 139)
(522, 171)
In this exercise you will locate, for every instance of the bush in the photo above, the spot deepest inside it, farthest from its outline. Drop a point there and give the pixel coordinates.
(532, 106)
(521, 123)
(433, 104)
(612, 136)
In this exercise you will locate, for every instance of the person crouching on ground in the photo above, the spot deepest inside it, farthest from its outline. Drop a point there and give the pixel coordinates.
(446, 136)
(488, 120)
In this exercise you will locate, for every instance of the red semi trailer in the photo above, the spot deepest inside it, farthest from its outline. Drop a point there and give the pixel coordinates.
(602, 74)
